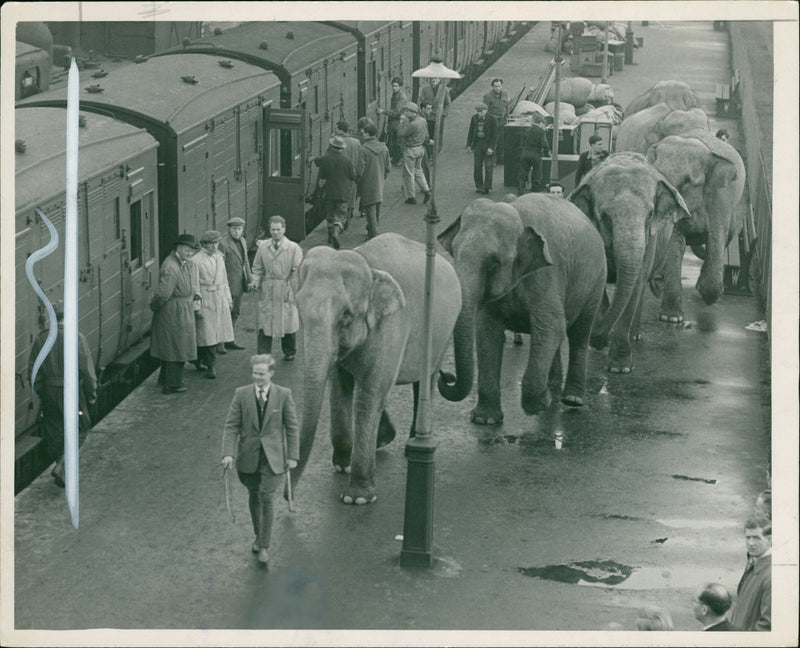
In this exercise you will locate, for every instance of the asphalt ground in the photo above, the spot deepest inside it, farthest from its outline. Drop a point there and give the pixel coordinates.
(651, 481)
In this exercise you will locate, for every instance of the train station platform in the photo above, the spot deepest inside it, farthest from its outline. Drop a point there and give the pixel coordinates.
(644, 490)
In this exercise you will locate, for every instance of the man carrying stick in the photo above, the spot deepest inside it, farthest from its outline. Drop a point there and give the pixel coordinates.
(261, 432)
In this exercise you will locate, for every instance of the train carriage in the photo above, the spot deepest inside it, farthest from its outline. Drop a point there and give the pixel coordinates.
(207, 114)
(31, 72)
(117, 216)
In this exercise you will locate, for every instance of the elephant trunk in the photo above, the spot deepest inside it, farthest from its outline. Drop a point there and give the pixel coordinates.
(317, 367)
(463, 346)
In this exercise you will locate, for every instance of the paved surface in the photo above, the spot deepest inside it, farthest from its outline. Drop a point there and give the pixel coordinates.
(652, 479)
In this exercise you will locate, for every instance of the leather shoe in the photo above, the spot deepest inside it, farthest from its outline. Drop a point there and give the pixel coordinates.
(234, 345)
(198, 365)
(221, 349)
(263, 556)
(255, 548)
(211, 373)
(427, 197)
(176, 390)
(411, 201)
(289, 357)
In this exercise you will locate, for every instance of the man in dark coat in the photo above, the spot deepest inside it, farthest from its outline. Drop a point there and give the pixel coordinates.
(427, 95)
(261, 432)
(352, 151)
(482, 139)
(173, 338)
(50, 389)
(590, 158)
(375, 165)
(753, 610)
(497, 102)
(233, 247)
(533, 148)
(397, 103)
(710, 604)
(338, 173)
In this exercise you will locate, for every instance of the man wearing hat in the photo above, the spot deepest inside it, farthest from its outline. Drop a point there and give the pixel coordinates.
(173, 338)
(413, 131)
(352, 151)
(338, 174)
(50, 389)
(233, 247)
(214, 324)
(482, 139)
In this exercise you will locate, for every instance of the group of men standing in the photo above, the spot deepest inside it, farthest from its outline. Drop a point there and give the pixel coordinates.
(199, 295)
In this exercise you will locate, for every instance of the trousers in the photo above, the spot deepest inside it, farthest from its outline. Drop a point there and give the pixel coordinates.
(412, 171)
(373, 214)
(483, 167)
(530, 164)
(288, 343)
(261, 486)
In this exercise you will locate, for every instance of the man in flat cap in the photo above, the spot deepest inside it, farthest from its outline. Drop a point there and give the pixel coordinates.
(413, 131)
(427, 95)
(214, 324)
(233, 247)
(173, 337)
(482, 139)
(338, 174)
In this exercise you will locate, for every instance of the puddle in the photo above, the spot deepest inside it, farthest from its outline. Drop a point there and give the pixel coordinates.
(619, 516)
(699, 479)
(590, 572)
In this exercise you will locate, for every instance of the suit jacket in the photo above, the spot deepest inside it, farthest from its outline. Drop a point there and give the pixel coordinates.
(491, 130)
(722, 626)
(243, 438)
(237, 265)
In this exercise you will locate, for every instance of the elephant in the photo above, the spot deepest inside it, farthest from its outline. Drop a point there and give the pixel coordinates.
(634, 207)
(639, 131)
(361, 312)
(676, 94)
(710, 175)
(537, 266)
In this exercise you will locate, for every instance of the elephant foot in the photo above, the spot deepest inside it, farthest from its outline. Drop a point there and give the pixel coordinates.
(341, 469)
(358, 496)
(486, 417)
(671, 318)
(620, 368)
(572, 400)
(637, 337)
(386, 431)
(537, 404)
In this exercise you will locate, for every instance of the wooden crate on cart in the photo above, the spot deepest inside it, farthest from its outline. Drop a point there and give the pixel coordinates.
(588, 127)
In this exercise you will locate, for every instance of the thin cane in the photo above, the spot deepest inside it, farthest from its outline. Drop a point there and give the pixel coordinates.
(288, 474)
(226, 474)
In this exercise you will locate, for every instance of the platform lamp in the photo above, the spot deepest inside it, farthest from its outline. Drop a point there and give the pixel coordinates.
(556, 107)
(418, 517)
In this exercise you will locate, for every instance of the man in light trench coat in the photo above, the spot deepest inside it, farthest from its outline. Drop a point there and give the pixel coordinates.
(274, 266)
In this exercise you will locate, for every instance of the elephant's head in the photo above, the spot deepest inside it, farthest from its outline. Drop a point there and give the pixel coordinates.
(710, 175)
(676, 122)
(634, 207)
(484, 242)
(340, 299)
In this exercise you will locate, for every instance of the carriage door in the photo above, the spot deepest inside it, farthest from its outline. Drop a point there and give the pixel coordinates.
(285, 169)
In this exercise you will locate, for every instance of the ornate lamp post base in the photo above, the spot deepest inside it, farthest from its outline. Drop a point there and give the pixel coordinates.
(418, 523)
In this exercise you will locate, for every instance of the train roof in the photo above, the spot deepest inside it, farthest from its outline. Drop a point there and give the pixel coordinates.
(157, 89)
(310, 42)
(103, 144)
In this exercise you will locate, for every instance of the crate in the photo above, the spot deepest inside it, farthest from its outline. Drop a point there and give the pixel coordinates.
(587, 128)
(588, 43)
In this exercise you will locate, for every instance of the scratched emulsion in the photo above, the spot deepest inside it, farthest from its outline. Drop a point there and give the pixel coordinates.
(71, 382)
(51, 313)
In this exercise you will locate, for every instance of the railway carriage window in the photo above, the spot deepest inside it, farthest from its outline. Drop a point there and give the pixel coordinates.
(111, 223)
(149, 225)
(373, 80)
(135, 246)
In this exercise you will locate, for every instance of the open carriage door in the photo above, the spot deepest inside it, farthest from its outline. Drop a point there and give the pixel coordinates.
(285, 169)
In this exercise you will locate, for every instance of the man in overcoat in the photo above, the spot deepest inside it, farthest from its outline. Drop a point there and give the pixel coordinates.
(275, 265)
(50, 389)
(352, 151)
(233, 247)
(375, 164)
(338, 174)
(482, 139)
(173, 337)
(261, 433)
(214, 324)
(753, 610)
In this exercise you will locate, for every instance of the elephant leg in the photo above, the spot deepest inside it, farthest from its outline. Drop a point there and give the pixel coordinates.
(490, 334)
(709, 283)
(341, 401)
(578, 336)
(556, 376)
(369, 404)
(546, 337)
(671, 308)
(600, 329)
(386, 431)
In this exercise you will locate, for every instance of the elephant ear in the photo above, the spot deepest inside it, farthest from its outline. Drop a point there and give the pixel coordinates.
(720, 173)
(386, 297)
(446, 237)
(532, 253)
(668, 205)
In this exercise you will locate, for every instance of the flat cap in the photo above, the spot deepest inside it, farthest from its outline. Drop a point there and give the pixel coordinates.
(481, 106)
(188, 239)
(236, 221)
(412, 107)
(211, 236)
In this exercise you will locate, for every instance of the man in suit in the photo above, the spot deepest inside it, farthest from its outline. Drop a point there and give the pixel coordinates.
(234, 249)
(753, 610)
(710, 604)
(590, 158)
(261, 432)
(482, 139)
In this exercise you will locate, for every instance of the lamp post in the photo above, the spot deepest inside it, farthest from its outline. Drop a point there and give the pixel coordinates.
(418, 518)
(556, 109)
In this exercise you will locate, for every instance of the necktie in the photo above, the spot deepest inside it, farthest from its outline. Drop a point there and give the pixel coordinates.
(275, 245)
(262, 398)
